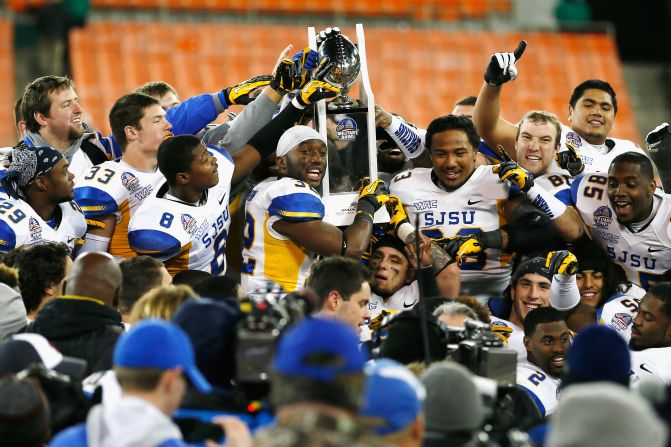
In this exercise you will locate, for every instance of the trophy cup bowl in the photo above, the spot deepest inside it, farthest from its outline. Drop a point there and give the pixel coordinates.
(345, 54)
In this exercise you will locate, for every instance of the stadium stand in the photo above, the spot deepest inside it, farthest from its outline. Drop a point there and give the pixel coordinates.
(7, 131)
(414, 72)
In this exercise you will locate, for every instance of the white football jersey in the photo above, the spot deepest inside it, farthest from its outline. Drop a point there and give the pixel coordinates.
(515, 339)
(405, 298)
(115, 188)
(541, 386)
(21, 225)
(593, 160)
(651, 362)
(183, 235)
(476, 205)
(266, 254)
(619, 313)
(644, 255)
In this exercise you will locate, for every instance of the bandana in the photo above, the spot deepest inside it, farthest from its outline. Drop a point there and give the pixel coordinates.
(27, 164)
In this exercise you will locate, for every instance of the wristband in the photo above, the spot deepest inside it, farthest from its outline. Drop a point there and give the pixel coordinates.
(297, 104)
(364, 215)
(404, 231)
(546, 202)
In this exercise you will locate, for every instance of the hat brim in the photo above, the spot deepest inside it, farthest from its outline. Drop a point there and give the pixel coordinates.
(72, 367)
(198, 380)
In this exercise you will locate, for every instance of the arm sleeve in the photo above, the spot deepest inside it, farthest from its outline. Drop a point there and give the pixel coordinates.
(530, 231)
(409, 139)
(154, 243)
(195, 113)
(427, 282)
(94, 202)
(564, 293)
(234, 135)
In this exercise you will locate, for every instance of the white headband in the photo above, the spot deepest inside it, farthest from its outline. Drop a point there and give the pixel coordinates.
(295, 136)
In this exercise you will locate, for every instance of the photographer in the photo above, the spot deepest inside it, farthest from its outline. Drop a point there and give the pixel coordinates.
(317, 386)
(152, 362)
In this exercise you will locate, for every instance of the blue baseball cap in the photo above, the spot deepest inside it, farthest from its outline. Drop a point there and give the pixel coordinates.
(392, 394)
(318, 348)
(154, 343)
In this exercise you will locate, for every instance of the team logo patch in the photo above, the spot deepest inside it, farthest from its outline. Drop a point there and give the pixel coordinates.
(372, 305)
(603, 216)
(189, 224)
(130, 182)
(621, 321)
(35, 229)
(498, 323)
(347, 129)
(574, 139)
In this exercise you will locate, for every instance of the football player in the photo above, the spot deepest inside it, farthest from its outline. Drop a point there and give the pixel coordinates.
(592, 109)
(546, 339)
(284, 230)
(624, 210)
(651, 335)
(110, 193)
(39, 209)
(185, 223)
(455, 198)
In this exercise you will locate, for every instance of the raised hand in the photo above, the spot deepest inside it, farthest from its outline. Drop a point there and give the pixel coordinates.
(501, 67)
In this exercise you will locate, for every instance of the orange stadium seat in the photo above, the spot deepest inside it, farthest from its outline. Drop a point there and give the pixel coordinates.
(7, 132)
(418, 73)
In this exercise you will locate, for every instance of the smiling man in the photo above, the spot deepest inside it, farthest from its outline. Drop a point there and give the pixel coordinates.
(454, 198)
(53, 118)
(284, 230)
(651, 335)
(546, 338)
(591, 112)
(624, 210)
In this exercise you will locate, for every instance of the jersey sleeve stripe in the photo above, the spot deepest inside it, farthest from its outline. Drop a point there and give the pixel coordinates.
(535, 398)
(7, 237)
(297, 207)
(221, 151)
(154, 243)
(572, 199)
(95, 202)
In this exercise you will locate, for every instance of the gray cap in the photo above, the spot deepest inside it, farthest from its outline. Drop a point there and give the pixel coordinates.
(604, 415)
(12, 311)
(453, 402)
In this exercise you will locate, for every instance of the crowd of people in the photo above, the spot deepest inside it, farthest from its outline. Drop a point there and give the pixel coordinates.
(176, 282)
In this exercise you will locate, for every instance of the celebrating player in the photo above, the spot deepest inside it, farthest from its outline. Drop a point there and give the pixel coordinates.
(283, 216)
(592, 109)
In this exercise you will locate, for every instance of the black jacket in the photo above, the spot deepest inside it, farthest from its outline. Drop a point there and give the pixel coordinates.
(82, 328)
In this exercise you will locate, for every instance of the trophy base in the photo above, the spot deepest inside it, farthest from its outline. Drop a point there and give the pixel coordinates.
(340, 104)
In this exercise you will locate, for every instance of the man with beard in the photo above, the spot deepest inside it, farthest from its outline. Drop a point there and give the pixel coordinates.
(546, 339)
(284, 229)
(39, 209)
(625, 211)
(651, 335)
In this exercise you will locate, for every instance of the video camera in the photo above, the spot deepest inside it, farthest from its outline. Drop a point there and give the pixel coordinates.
(483, 352)
(267, 313)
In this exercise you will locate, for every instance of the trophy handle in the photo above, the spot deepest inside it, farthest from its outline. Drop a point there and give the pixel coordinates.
(341, 207)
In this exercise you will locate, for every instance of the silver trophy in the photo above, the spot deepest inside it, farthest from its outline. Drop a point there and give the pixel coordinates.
(345, 54)
(349, 124)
